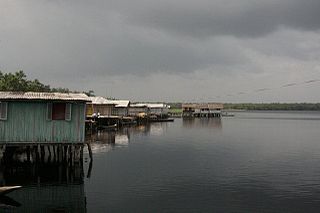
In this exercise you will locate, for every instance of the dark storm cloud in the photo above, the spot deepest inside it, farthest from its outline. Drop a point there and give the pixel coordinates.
(143, 57)
(247, 18)
(93, 44)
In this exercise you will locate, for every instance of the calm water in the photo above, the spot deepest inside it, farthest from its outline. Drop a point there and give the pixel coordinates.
(253, 162)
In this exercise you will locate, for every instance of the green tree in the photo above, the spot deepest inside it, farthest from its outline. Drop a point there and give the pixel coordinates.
(18, 82)
(13, 82)
(60, 89)
(90, 93)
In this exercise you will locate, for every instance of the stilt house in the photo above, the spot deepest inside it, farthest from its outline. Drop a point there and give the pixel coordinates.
(35, 117)
(202, 109)
(121, 107)
(100, 106)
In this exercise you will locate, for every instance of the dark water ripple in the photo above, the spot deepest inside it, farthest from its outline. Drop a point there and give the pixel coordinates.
(253, 162)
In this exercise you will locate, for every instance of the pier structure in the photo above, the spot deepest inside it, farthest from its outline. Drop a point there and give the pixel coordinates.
(47, 125)
(149, 111)
(51, 180)
(103, 113)
(202, 109)
(43, 152)
(39, 117)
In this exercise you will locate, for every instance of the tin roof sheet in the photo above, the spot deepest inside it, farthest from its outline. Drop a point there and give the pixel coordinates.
(150, 105)
(203, 105)
(121, 103)
(100, 100)
(139, 105)
(43, 96)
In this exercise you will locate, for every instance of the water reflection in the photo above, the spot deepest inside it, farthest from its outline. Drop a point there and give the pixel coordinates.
(104, 141)
(253, 165)
(50, 198)
(47, 185)
(8, 203)
(152, 129)
(215, 123)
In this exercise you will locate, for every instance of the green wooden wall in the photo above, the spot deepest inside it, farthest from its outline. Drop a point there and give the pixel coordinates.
(27, 122)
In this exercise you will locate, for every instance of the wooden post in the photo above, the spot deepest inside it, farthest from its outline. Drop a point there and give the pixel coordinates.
(28, 154)
(37, 152)
(42, 153)
(70, 155)
(90, 151)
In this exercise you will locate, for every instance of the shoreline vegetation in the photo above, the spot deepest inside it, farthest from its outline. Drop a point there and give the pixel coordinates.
(18, 82)
(176, 107)
(273, 106)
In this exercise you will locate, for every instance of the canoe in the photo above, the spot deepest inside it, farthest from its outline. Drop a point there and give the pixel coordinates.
(6, 189)
(7, 202)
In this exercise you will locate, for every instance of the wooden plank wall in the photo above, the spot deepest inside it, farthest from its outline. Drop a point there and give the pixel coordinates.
(27, 122)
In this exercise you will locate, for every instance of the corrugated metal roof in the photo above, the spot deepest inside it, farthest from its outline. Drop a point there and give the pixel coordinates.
(100, 100)
(150, 105)
(117, 103)
(203, 105)
(157, 105)
(120, 103)
(138, 105)
(43, 96)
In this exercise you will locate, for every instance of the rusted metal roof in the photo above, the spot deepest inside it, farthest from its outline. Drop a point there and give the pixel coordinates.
(43, 96)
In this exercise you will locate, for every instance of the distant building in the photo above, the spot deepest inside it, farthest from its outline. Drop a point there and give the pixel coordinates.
(35, 117)
(121, 107)
(140, 110)
(106, 107)
(160, 110)
(99, 106)
(157, 109)
(202, 109)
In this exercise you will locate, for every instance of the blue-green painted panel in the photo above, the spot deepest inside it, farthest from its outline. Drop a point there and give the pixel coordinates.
(27, 122)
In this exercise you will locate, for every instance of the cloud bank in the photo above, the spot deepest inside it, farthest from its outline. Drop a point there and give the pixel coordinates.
(167, 50)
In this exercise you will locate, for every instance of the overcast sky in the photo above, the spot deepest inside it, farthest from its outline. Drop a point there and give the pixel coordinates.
(167, 50)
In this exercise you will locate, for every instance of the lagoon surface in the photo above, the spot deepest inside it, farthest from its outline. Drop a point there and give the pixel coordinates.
(253, 162)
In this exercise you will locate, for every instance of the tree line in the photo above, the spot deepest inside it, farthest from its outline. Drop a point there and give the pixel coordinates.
(273, 106)
(18, 82)
(261, 106)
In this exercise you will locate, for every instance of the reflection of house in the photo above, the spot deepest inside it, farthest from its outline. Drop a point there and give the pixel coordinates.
(42, 117)
(202, 123)
(103, 141)
(121, 139)
(202, 109)
(101, 106)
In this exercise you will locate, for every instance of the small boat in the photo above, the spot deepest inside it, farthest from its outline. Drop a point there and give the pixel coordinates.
(6, 189)
(162, 120)
(7, 202)
(110, 127)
